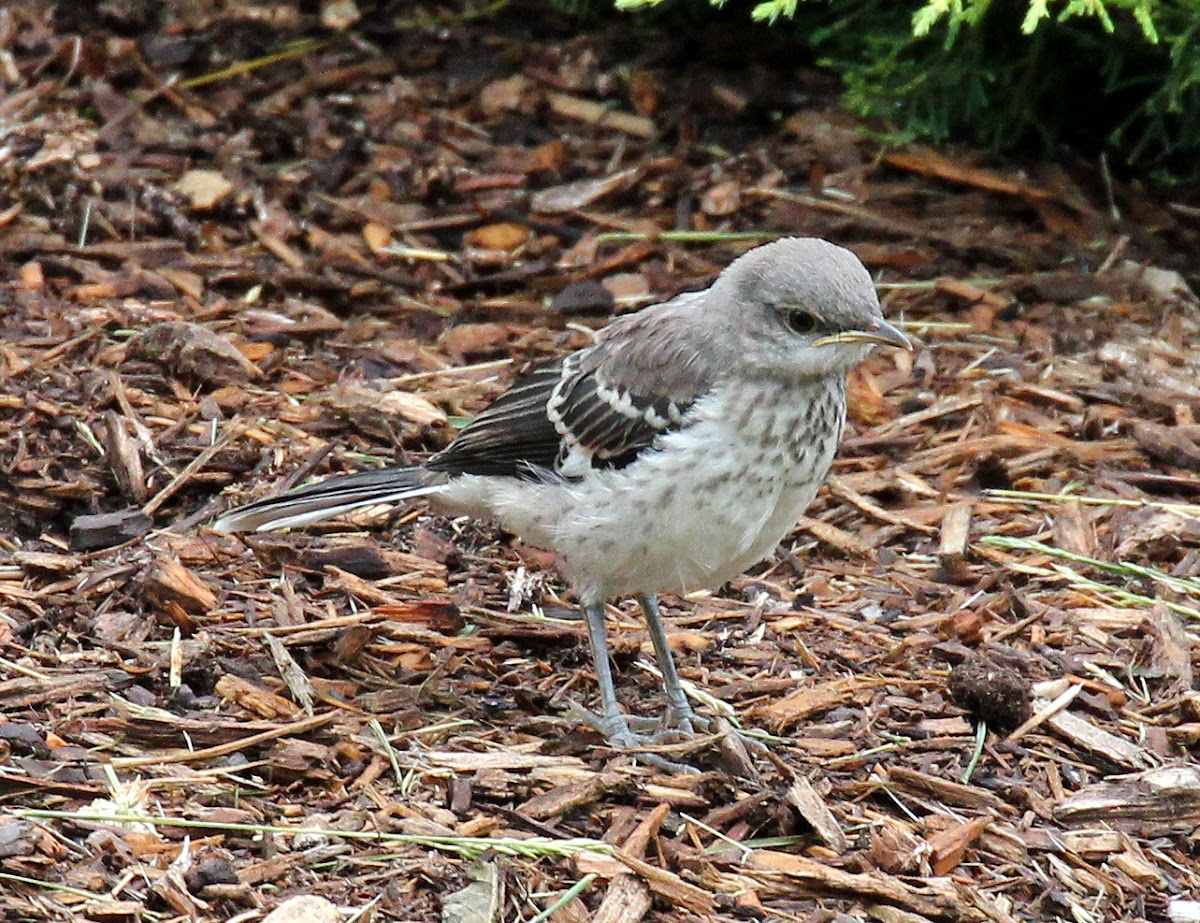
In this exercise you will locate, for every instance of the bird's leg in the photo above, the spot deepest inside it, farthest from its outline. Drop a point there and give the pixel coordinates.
(615, 725)
(612, 722)
(626, 733)
(679, 710)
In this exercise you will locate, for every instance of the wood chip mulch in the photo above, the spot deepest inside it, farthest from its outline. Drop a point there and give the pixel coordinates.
(244, 248)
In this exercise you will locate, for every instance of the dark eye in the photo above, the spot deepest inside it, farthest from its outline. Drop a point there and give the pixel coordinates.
(801, 321)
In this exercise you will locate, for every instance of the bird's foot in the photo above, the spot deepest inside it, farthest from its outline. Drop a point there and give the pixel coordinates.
(651, 729)
(648, 749)
(686, 721)
(733, 743)
(674, 727)
(733, 746)
(671, 728)
(643, 738)
(717, 727)
(653, 741)
(650, 732)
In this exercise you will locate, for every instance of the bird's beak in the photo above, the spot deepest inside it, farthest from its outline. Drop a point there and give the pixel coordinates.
(880, 332)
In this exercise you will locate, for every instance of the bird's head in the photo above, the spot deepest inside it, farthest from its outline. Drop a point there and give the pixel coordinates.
(801, 307)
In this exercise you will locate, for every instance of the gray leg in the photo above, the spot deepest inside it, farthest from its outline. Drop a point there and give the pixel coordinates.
(679, 710)
(615, 724)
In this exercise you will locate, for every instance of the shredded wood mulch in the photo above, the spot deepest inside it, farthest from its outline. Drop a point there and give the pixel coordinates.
(244, 248)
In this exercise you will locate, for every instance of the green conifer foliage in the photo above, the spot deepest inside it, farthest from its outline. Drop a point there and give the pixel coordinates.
(1122, 76)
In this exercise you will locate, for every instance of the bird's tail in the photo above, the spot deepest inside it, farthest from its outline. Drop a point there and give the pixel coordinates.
(329, 498)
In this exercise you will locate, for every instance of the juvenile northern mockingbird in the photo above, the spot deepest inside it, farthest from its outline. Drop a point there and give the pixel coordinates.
(670, 455)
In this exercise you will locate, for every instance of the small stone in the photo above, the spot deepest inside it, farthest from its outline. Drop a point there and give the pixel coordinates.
(204, 188)
(504, 235)
(104, 530)
(722, 199)
(586, 297)
(211, 870)
(305, 908)
(193, 351)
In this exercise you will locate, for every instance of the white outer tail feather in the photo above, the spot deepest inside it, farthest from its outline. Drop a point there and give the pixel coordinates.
(328, 499)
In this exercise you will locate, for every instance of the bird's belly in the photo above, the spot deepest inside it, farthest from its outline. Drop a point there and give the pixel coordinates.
(693, 538)
(708, 503)
(695, 526)
(789, 507)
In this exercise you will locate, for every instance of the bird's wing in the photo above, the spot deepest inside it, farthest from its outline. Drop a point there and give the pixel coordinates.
(596, 408)
(513, 436)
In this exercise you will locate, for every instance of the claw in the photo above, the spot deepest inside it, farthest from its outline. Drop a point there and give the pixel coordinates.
(639, 746)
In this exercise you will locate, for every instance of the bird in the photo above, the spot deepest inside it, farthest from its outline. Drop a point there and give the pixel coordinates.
(669, 455)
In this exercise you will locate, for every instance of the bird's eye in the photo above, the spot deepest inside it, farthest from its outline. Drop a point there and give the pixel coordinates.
(801, 321)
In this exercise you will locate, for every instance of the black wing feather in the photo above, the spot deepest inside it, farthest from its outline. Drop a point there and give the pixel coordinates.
(563, 419)
(514, 436)
(613, 424)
